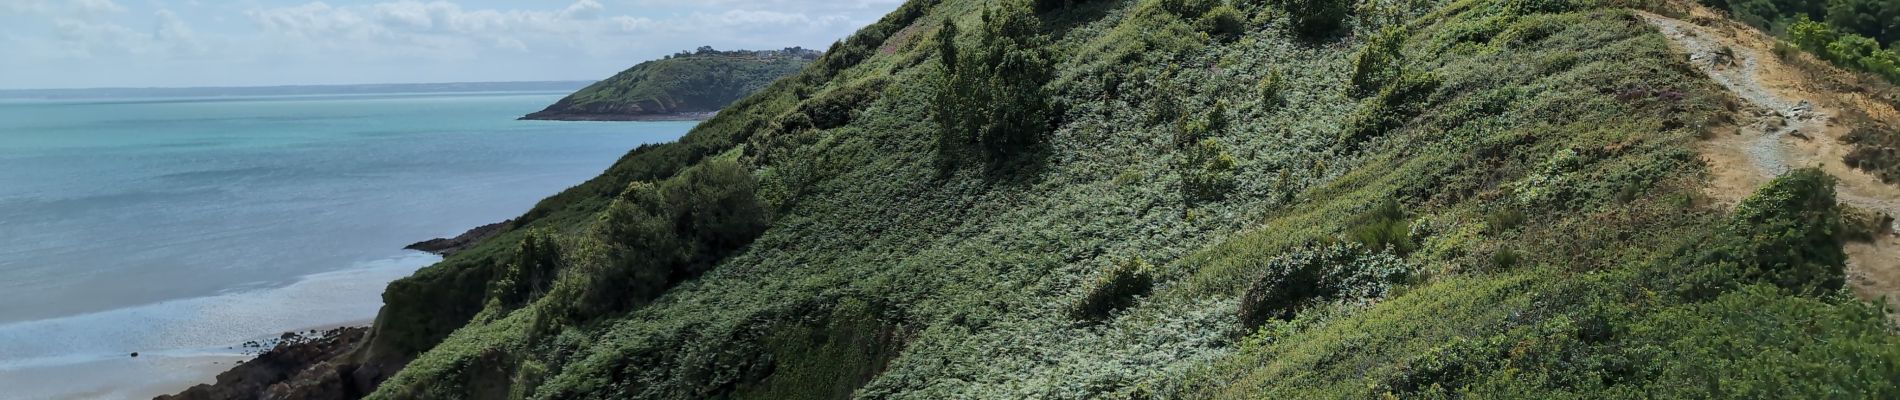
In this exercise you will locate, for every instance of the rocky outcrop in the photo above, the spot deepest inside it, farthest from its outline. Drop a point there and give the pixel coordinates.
(449, 246)
(299, 367)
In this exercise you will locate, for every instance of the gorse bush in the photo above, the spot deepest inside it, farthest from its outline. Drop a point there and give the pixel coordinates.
(1313, 19)
(1384, 228)
(1397, 101)
(1379, 64)
(1320, 273)
(1788, 232)
(1787, 235)
(1223, 21)
(538, 259)
(1115, 290)
(991, 95)
(657, 235)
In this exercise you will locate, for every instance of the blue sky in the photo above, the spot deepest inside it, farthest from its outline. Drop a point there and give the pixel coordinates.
(172, 43)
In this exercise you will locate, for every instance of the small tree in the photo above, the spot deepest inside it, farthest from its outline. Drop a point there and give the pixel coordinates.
(992, 95)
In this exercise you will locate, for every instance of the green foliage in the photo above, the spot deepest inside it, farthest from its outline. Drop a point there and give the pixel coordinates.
(1317, 274)
(1878, 20)
(1272, 89)
(1378, 64)
(657, 235)
(1787, 235)
(1313, 19)
(1385, 228)
(991, 96)
(1205, 167)
(1223, 21)
(1853, 34)
(1116, 290)
(536, 263)
(1396, 102)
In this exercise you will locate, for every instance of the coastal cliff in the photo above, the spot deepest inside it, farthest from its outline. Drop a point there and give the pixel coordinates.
(683, 86)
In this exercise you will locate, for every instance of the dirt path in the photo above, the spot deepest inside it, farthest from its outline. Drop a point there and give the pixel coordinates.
(1789, 121)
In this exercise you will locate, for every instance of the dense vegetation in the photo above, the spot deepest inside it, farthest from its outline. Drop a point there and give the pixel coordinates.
(1172, 199)
(1854, 34)
(698, 82)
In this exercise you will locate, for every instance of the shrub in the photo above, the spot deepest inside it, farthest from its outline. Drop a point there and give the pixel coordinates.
(1313, 19)
(1386, 228)
(657, 235)
(537, 260)
(1116, 290)
(1207, 171)
(1223, 21)
(1789, 229)
(1395, 104)
(1319, 273)
(991, 96)
(1864, 225)
(1504, 220)
(1787, 235)
(1379, 63)
(1272, 88)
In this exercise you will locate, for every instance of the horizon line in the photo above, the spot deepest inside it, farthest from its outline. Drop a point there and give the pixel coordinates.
(288, 86)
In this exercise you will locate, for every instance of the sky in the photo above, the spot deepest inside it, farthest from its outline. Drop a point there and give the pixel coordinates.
(48, 44)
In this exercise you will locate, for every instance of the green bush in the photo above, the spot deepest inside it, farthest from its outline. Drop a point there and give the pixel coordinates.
(1223, 21)
(991, 96)
(1396, 103)
(538, 259)
(1272, 88)
(1314, 19)
(1787, 235)
(657, 235)
(1319, 273)
(1379, 63)
(1385, 228)
(1116, 289)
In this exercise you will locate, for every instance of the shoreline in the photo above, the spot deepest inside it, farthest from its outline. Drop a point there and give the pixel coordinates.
(299, 361)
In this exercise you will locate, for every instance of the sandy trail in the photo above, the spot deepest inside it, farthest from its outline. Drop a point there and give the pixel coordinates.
(1789, 122)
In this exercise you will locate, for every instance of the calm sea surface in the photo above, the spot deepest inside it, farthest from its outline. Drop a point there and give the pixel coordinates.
(180, 227)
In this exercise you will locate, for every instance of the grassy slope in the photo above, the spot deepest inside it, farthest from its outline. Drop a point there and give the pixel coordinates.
(883, 276)
(686, 84)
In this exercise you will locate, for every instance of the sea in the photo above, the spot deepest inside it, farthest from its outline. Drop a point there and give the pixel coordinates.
(182, 226)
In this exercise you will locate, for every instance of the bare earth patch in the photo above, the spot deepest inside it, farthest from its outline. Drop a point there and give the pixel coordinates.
(1788, 121)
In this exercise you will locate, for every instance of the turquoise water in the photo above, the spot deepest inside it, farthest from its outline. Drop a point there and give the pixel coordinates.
(180, 225)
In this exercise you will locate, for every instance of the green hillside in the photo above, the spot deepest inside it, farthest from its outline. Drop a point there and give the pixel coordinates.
(1190, 199)
(680, 86)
